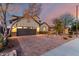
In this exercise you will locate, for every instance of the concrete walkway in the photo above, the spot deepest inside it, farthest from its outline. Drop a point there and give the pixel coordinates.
(68, 49)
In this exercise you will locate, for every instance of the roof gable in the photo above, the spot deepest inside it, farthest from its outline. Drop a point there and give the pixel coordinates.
(38, 22)
(44, 23)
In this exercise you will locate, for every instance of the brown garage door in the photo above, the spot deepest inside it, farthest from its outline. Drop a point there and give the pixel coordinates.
(21, 32)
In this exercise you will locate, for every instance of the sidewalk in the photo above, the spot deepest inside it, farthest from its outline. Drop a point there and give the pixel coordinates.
(68, 49)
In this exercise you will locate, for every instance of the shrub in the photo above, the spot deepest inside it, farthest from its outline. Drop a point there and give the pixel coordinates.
(1, 41)
(1, 38)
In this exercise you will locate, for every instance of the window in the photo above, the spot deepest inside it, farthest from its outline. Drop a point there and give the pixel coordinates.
(44, 28)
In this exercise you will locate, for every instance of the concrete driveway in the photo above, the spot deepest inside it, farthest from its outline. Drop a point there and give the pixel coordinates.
(68, 49)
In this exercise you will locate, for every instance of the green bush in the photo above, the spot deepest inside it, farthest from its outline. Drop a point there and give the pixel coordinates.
(1, 38)
(1, 42)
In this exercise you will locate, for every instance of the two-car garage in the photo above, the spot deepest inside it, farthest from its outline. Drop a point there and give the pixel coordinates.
(25, 27)
(20, 31)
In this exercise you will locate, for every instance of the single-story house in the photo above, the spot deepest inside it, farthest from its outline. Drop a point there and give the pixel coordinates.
(29, 26)
(26, 27)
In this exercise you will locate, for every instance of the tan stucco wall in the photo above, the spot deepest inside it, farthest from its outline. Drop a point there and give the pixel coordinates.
(25, 23)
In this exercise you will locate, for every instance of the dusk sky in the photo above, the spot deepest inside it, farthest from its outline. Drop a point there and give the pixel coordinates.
(49, 11)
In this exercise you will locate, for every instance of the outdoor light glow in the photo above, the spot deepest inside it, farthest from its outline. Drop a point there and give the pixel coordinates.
(66, 31)
(13, 27)
(44, 29)
(38, 29)
(14, 30)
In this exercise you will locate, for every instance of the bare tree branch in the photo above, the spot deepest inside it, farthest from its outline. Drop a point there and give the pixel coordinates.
(34, 9)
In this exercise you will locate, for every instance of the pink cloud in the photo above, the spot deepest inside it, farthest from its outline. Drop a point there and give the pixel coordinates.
(65, 8)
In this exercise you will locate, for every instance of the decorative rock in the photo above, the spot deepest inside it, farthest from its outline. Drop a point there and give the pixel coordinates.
(12, 53)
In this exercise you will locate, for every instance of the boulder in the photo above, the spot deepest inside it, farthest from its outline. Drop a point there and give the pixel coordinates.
(11, 53)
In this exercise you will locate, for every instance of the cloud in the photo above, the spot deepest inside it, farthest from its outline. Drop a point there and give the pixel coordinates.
(62, 9)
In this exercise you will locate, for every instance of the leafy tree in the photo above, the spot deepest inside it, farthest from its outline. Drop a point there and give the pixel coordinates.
(74, 25)
(58, 26)
(67, 19)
